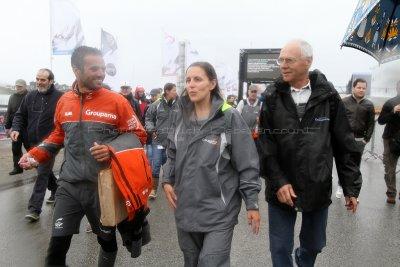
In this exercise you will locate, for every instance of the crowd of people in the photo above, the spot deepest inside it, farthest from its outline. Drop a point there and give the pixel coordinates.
(208, 154)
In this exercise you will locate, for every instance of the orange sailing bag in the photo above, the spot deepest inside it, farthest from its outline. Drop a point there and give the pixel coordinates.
(132, 175)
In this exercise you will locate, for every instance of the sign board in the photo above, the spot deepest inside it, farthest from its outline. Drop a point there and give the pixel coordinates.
(258, 66)
(261, 67)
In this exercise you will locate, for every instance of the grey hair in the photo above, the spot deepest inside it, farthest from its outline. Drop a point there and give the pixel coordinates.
(305, 48)
(253, 87)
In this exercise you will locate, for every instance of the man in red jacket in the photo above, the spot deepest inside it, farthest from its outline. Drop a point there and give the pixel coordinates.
(88, 120)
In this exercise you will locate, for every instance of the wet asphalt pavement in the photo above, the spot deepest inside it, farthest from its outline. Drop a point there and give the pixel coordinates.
(371, 237)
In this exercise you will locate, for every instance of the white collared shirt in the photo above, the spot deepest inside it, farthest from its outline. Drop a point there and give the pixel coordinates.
(301, 96)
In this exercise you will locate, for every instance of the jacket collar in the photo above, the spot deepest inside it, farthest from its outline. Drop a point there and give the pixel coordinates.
(321, 89)
(49, 91)
(188, 106)
(355, 99)
(92, 93)
(319, 83)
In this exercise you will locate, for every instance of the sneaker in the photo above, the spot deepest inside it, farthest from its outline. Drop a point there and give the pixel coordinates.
(32, 216)
(339, 192)
(391, 200)
(153, 194)
(51, 199)
(16, 171)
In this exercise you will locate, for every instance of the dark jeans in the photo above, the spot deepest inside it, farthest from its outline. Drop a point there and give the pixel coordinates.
(16, 148)
(159, 159)
(45, 179)
(149, 153)
(281, 235)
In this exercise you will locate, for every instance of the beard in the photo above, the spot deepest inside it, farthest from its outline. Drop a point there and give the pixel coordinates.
(43, 89)
(92, 85)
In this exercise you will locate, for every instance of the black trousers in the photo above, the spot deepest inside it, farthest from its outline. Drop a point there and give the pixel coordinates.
(45, 179)
(59, 246)
(16, 148)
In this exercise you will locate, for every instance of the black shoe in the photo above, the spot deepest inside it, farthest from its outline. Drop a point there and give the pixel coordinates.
(106, 259)
(16, 171)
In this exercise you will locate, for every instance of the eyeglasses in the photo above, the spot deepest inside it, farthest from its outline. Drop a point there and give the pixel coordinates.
(289, 60)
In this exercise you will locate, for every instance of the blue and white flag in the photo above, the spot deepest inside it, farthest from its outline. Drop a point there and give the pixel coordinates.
(66, 28)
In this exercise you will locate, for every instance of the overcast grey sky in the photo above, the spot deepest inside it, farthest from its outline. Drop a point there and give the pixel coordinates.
(217, 29)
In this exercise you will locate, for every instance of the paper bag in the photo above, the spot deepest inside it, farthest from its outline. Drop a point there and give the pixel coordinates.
(112, 204)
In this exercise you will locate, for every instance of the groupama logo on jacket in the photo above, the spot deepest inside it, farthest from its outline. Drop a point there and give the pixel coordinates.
(101, 114)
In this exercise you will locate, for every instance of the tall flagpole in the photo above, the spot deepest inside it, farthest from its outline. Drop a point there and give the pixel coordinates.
(51, 36)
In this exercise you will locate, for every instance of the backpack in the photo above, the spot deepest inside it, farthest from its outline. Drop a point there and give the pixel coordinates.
(227, 113)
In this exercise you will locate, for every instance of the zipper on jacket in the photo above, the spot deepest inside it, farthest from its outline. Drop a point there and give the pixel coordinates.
(38, 121)
(81, 134)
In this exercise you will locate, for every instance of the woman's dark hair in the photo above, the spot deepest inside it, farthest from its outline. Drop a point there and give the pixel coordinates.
(211, 75)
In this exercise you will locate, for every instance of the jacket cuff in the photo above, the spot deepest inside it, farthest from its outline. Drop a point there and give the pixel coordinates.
(279, 182)
(40, 155)
(252, 204)
(351, 192)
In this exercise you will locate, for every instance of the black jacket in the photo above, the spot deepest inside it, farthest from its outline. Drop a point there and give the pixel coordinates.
(36, 115)
(135, 106)
(13, 104)
(300, 153)
(361, 117)
(392, 120)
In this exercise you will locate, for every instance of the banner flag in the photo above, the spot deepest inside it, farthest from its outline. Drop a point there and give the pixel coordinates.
(109, 49)
(170, 49)
(66, 29)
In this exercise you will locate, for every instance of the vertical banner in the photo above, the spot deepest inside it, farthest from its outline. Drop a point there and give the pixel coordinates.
(109, 49)
(192, 55)
(227, 80)
(66, 29)
(170, 49)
